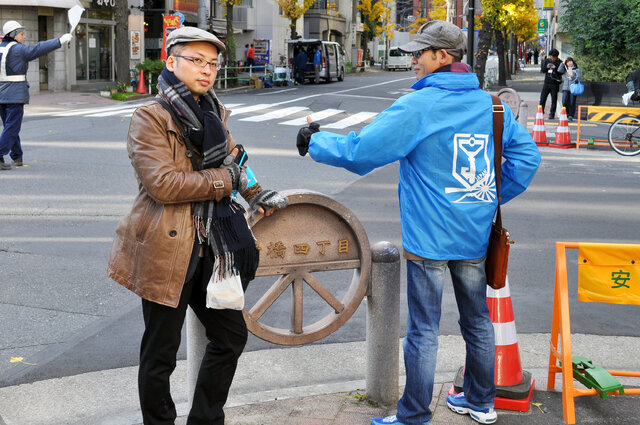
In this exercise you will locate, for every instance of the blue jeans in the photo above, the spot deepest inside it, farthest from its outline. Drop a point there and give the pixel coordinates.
(425, 280)
(11, 114)
(569, 102)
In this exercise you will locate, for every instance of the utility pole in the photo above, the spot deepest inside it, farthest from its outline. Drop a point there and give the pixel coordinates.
(202, 14)
(471, 32)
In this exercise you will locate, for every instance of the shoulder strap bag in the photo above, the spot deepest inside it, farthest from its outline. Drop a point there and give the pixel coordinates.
(499, 240)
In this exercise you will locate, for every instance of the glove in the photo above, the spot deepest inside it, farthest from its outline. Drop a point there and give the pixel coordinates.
(267, 199)
(304, 136)
(65, 38)
(239, 180)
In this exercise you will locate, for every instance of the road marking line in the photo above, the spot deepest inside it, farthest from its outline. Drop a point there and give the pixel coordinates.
(367, 97)
(77, 112)
(280, 113)
(276, 92)
(316, 116)
(251, 108)
(129, 111)
(352, 120)
(57, 240)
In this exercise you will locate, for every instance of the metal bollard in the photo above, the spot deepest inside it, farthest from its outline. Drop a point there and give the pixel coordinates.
(196, 346)
(523, 114)
(383, 324)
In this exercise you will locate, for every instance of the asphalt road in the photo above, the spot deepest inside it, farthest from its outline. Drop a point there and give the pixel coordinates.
(60, 310)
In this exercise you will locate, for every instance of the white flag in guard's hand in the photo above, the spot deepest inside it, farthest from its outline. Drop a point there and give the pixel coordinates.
(74, 16)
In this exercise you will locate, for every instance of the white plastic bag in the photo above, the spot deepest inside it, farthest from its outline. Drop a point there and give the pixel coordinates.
(626, 97)
(225, 294)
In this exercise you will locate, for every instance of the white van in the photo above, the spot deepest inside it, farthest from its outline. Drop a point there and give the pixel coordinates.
(399, 60)
(333, 58)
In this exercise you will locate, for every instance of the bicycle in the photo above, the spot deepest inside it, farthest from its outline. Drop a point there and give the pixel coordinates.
(624, 135)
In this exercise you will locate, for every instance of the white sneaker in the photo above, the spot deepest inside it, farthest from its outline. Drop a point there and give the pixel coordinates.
(459, 404)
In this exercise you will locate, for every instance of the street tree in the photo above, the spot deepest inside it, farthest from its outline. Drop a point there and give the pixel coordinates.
(121, 13)
(230, 54)
(371, 13)
(438, 11)
(293, 11)
(499, 19)
(388, 27)
(604, 34)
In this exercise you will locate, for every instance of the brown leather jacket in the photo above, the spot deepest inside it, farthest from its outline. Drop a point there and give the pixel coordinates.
(153, 243)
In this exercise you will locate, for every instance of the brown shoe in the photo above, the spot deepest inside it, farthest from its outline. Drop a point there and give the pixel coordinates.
(18, 162)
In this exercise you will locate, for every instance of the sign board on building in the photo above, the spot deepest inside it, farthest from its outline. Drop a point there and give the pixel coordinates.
(169, 23)
(542, 26)
(547, 5)
(135, 45)
(97, 4)
(190, 6)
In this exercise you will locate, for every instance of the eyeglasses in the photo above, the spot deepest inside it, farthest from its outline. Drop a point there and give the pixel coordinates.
(420, 52)
(200, 62)
(417, 54)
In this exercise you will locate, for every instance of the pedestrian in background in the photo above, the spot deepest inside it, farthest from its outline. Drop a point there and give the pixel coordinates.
(184, 232)
(300, 63)
(317, 63)
(536, 54)
(552, 80)
(251, 56)
(570, 68)
(14, 88)
(436, 132)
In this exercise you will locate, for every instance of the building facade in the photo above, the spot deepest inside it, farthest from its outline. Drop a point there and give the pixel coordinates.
(89, 60)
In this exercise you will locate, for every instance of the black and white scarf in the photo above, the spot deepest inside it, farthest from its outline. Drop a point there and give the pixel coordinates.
(219, 225)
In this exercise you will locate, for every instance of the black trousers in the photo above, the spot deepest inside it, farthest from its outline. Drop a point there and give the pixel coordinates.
(227, 335)
(550, 89)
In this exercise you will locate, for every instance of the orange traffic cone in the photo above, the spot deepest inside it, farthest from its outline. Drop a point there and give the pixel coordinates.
(141, 88)
(539, 134)
(514, 387)
(563, 138)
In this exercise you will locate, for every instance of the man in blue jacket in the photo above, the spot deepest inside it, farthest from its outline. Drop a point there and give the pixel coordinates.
(317, 63)
(442, 135)
(14, 88)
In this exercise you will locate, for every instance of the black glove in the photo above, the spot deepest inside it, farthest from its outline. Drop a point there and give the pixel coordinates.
(266, 200)
(304, 136)
(239, 180)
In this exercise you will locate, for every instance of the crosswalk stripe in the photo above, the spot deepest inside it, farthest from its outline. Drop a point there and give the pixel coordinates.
(128, 111)
(77, 112)
(316, 116)
(250, 108)
(352, 120)
(280, 113)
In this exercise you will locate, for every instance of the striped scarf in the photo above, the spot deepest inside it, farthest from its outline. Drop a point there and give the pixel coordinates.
(219, 225)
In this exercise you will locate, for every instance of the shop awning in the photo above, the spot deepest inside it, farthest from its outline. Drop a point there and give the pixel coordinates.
(60, 4)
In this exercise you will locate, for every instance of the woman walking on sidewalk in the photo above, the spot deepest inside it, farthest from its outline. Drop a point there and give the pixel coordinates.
(573, 74)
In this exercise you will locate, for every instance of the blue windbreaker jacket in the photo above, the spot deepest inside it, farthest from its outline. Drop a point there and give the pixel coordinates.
(442, 134)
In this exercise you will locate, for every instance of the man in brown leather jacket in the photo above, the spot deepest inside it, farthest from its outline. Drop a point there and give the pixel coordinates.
(184, 230)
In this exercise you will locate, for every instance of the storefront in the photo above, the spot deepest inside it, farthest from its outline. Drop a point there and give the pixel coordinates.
(94, 51)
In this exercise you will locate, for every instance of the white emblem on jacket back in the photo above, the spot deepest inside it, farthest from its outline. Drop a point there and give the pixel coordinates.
(472, 168)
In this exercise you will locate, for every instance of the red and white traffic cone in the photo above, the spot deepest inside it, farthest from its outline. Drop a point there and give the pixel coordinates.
(514, 387)
(539, 133)
(563, 137)
(141, 87)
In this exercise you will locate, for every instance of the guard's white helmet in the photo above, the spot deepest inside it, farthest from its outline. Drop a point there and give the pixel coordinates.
(11, 26)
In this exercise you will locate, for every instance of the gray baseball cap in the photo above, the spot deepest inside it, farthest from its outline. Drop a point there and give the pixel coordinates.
(189, 34)
(438, 35)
